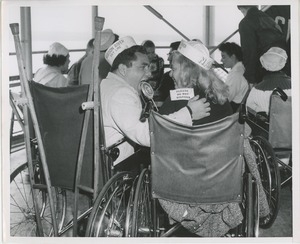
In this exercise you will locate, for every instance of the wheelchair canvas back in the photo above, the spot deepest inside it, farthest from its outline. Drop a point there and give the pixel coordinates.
(197, 164)
(280, 129)
(60, 119)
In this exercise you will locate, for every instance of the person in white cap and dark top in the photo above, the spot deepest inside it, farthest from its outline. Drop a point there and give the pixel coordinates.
(273, 61)
(86, 74)
(121, 102)
(258, 33)
(57, 62)
(191, 72)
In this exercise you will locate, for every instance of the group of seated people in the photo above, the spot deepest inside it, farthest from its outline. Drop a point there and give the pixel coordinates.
(124, 64)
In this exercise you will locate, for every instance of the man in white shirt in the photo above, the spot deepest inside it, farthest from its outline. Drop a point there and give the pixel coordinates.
(121, 102)
(238, 86)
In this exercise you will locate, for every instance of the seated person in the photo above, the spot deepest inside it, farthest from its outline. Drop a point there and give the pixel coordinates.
(189, 73)
(273, 61)
(238, 86)
(156, 64)
(57, 63)
(86, 74)
(121, 103)
(191, 67)
(73, 73)
(167, 83)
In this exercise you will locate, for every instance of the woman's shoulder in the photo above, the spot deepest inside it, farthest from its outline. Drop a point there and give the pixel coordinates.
(169, 106)
(217, 112)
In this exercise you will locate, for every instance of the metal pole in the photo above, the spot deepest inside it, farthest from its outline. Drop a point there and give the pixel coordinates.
(26, 39)
(158, 15)
(209, 26)
(94, 14)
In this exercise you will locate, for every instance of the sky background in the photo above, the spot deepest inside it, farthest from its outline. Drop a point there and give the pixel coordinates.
(72, 26)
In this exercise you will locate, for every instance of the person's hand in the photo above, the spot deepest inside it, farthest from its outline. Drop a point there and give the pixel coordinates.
(199, 107)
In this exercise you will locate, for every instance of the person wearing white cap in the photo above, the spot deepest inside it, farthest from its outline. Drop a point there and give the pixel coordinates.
(86, 74)
(191, 71)
(121, 102)
(258, 32)
(273, 61)
(57, 62)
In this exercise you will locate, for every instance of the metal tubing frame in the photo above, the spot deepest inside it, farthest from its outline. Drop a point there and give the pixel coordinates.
(26, 39)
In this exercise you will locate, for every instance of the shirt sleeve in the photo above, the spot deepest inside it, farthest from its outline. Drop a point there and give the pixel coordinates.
(232, 81)
(126, 110)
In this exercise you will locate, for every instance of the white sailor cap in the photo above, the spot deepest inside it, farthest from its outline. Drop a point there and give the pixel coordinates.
(274, 59)
(196, 52)
(115, 49)
(57, 49)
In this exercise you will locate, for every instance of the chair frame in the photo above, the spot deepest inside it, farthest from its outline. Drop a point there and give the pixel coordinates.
(260, 138)
(100, 157)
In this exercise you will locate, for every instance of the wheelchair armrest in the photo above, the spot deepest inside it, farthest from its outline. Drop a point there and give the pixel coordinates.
(281, 93)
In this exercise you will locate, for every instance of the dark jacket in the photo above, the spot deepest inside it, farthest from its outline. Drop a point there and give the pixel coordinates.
(217, 111)
(166, 85)
(258, 32)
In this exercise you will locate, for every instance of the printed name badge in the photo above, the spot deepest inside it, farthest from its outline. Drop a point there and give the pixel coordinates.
(182, 94)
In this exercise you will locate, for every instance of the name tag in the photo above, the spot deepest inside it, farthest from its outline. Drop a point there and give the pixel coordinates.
(182, 94)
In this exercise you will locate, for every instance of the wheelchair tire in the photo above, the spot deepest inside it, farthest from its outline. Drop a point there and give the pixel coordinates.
(129, 210)
(270, 177)
(142, 217)
(22, 213)
(108, 215)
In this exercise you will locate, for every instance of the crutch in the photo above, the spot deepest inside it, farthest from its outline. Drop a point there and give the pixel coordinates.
(93, 102)
(27, 103)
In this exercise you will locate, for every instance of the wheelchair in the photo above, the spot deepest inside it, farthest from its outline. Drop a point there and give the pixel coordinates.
(67, 159)
(271, 140)
(185, 169)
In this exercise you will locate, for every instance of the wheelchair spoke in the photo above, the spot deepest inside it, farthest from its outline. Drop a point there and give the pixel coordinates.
(108, 216)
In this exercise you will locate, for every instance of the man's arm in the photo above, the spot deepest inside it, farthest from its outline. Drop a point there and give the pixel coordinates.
(126, 109)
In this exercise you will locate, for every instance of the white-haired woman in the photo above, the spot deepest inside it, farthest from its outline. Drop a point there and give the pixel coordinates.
(191, 68)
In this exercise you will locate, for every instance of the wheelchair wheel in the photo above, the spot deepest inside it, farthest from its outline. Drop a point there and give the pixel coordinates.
(108, 215)
(269, 173)
(22, 213)
(142, 219)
